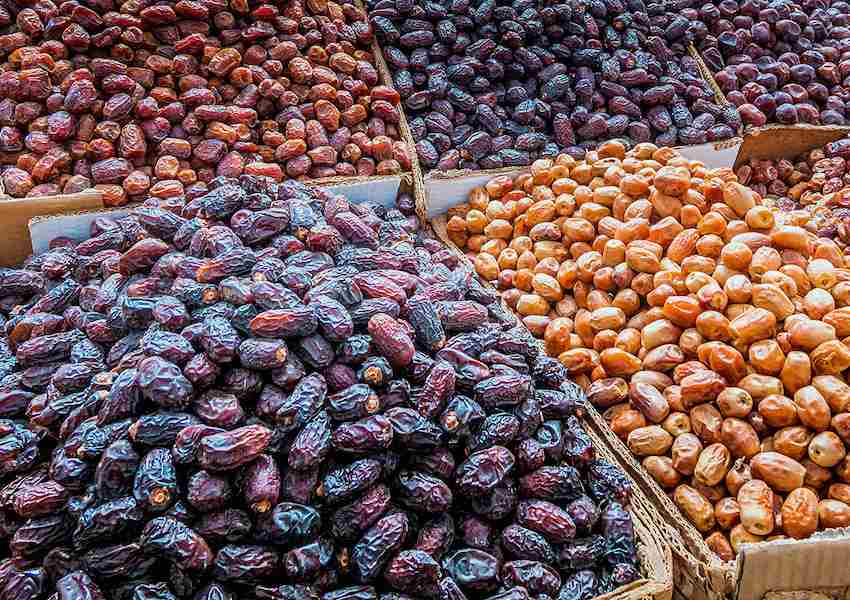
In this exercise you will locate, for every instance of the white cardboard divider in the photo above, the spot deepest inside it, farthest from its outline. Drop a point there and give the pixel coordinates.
(76, 226)
(444, 193)
(715, 155)
(382, 190)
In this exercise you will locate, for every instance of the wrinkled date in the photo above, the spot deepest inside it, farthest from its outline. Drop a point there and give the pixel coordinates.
(321, 405)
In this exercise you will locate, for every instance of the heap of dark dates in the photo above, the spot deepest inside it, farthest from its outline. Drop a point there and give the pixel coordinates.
(778, 61)
(275, 394)
(498, 83)
(153, 98)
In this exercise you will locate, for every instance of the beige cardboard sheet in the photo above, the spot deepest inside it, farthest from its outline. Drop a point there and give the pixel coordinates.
(715, 155)
(816, 563)
(793, 565)
(383, 190)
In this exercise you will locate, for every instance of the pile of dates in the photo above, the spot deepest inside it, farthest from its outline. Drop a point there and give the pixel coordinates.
(777, 61)
(503, 83)
(712, 330)
(817, 182)
(143, 98)
(276, 394)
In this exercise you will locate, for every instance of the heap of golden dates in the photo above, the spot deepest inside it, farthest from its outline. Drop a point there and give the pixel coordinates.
(710, 328)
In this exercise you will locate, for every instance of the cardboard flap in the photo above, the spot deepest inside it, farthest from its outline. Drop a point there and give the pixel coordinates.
(444, 193)
(715, 155)
(787, 565)
(16, 213)
(383, 190)
(787, 141)
(76, 226)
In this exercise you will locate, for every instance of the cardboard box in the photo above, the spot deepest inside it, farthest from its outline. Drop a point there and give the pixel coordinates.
(29, 224)
(819, 563)
(786, 141)
(814, 564)
(652, 549)
(76, 225)
(15, 214)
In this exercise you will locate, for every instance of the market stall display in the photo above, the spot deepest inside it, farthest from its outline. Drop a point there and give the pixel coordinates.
(707, 326)
(284, 394)
(238, 385)
(158, 99)
(500, 85)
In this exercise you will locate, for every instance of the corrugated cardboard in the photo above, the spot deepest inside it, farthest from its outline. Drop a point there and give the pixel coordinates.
(447, 189)
(786, 141)
(15, 214)
(652, 549)
(818, 563)
(791, 565)
(75, 225)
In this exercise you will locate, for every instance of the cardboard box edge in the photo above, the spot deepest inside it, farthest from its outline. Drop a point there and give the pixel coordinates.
(40, 227)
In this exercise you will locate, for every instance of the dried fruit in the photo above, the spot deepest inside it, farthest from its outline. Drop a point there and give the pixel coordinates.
(160, 100)
(704, 319)
(229, 397)
(499, 86)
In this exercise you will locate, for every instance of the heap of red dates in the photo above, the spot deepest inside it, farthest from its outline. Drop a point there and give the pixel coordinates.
(156, 99)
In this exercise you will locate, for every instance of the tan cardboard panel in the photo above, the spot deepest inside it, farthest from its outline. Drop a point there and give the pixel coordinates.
(15, 214)
(793, 565)
(787, 141)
